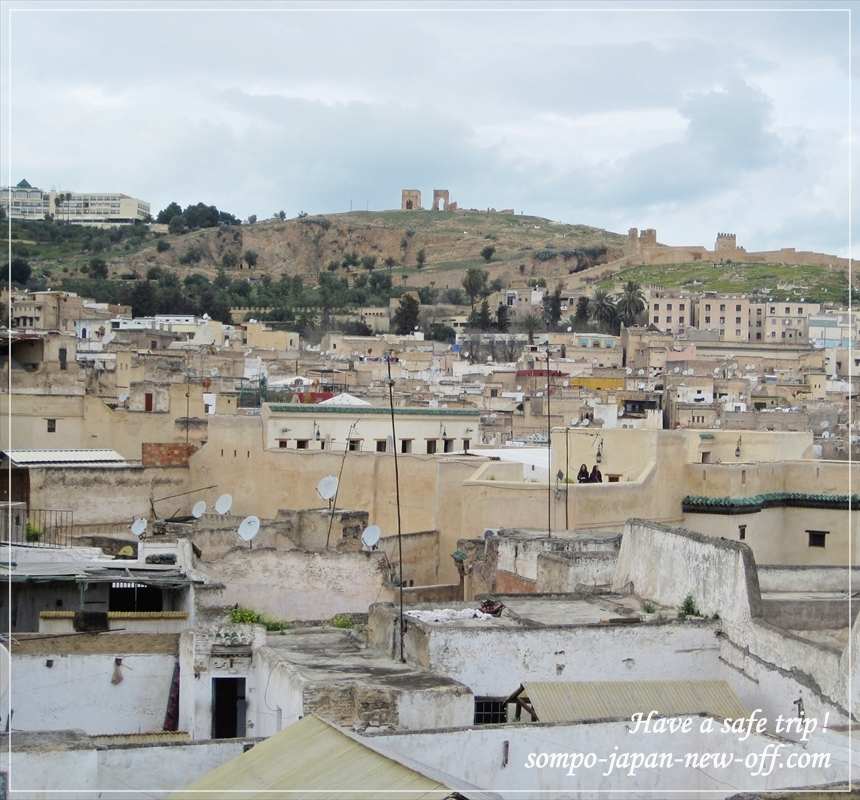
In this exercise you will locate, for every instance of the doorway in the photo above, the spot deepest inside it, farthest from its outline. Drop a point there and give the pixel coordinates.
(228, 708)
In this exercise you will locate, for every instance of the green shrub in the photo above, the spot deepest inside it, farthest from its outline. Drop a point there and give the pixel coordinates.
(648, 607)
(341, 621)
(32, 533)
(247, 616)
(162, 246)
(688, 608)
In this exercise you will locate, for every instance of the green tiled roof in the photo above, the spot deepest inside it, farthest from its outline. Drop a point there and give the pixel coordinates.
(698, 504)
(351, 411)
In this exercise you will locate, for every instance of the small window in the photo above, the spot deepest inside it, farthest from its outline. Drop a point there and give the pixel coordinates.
(431, 447)
(147, 401)
(301, 444)
(706, 457)
(742, 532)
(381, 445)
(355, 444)
(282, 443)
(817, 538)
(490, 711)
(52, 426)
(406, 445)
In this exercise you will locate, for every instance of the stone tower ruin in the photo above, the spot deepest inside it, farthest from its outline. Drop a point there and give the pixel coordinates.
(726, 243)
(440, 199)
(410, 199)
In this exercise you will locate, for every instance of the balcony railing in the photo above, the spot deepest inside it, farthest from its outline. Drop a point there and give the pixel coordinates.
(36, 527)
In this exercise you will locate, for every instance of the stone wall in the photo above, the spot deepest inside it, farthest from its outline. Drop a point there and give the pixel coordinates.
(158, 454)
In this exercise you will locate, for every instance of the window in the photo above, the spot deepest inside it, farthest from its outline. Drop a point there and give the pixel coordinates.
(737, 308)
(681, 307)
(52, 426)
(722, 308)
(707, 319)
(680, 320)
(147, 401)
(656, 319)
(301, 444)
(668, 306)
(282, 444)
(406, 445)
(742, 532)
(817, 538)
(63, 357)
(707, 306)
(431, 447)
(355, 444)
(490, 711)
(737, 320)
(380, 445)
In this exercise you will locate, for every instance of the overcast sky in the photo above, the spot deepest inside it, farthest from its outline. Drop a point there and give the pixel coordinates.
(691, 122)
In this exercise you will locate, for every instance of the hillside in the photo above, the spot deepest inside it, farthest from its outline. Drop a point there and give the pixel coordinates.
(451, 242)
(814, 284)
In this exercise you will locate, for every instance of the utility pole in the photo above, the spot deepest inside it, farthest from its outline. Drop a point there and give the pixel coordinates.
(548, 452)
(397, 498)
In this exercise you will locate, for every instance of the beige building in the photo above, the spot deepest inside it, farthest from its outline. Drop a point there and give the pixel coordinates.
(671, 312)
(362, 427)
(727, 314)
(26, 202)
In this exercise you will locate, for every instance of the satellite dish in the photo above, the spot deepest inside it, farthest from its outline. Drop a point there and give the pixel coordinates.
(199, 509)
(249, 528)
(371, 535)
(138, 526)
(327, 487)
(224, 503)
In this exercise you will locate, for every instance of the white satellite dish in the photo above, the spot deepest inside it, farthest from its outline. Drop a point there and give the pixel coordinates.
(224, 503)
(249, 528)
(138, 527)
(199, 509)
(371, 535)
(327, 487)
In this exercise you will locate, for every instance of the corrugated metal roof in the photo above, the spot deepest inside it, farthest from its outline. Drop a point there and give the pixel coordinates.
(26, 458)
(577, 702)
(315, 756)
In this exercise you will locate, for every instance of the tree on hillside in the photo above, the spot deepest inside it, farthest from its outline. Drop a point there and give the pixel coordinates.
(250, 257)
(582, 311)
(281, 215)
(168, 213)
(631, 303)
(475, 284)
(503, 321)
(552, 308)
(603, 311)
(531, 324)
(21, 271)
(420, 258)
(455, 296)
(484, 319)
(406, 316)
(252, 220)
(368, 262)
(98, 268)
(488, 252)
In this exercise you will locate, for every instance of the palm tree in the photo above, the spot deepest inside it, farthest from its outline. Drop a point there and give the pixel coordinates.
(631, 303)
(603, 310)
(530, 324)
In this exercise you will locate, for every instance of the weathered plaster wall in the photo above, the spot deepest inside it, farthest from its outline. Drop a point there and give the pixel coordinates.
(296, 585)
(77, 693)
(126, 490)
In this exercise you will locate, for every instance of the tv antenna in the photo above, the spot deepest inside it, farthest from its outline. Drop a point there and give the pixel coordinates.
(333, 503)
(248, 529)
(370, 537)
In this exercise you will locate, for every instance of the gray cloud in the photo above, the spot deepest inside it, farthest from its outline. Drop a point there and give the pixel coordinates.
(690, 122)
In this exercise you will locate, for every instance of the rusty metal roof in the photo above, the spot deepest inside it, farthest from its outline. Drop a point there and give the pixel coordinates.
(581, 701)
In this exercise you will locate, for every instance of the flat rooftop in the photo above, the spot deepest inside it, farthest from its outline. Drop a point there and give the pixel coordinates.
(530, 611)
(330, 655)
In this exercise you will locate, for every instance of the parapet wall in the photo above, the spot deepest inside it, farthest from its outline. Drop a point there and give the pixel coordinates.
(666, 564)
